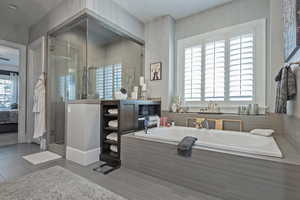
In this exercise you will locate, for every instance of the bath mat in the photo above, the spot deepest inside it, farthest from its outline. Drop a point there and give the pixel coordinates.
(54, 183)
(42, 157)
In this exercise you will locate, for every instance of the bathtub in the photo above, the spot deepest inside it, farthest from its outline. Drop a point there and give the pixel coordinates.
(242, 142)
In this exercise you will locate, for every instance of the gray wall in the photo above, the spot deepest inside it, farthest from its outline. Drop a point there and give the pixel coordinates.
(107, 10)
(124, 52)
(276, 47)
(291, 120)
(14, 33)
(113, 14)
(65, 10)
(159, 47)
(294, 105)
(129, 54)
(236, 12)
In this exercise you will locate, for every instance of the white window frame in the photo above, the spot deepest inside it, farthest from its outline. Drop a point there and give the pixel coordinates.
(258, 28)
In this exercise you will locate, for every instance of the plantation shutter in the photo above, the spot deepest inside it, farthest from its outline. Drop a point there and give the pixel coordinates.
(241, 68)
(192, 74)
(214, 70)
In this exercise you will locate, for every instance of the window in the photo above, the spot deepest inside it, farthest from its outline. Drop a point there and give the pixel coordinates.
(8, 90)
(5, 93)
(241, 68)
(192, 74)
(220, 66)
(108, 80)
(214, 70)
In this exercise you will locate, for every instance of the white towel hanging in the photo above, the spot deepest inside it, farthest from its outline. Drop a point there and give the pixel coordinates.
(39, 106)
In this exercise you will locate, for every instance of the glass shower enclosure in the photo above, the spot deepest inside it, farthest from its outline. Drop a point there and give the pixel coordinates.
(66, 66)
(87, 60)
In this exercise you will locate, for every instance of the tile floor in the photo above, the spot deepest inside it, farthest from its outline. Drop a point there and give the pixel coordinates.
(127, 183)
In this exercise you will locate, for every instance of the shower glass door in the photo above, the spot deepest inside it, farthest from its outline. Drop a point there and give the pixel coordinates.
(66, 82)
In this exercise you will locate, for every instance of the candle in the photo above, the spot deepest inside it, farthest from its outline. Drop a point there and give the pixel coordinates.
(144, 87)
(142, 80)
(134, 95)
(136, 89)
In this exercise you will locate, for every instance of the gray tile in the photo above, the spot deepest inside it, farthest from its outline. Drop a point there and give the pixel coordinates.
(2, 179)
(8, 139)
(13, 172)
(127, 183)
(225, 175)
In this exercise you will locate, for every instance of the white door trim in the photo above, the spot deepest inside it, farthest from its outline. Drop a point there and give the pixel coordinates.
(22, 88)
(32, 69)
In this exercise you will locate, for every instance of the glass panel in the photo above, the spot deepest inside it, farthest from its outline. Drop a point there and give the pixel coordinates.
(67, 73)
(8, 89)
(113, 61)
(88, 60)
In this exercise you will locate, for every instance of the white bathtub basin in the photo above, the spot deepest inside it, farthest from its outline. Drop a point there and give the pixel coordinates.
(223, 140)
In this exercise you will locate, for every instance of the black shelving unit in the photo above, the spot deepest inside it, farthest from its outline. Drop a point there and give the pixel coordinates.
(129, 113)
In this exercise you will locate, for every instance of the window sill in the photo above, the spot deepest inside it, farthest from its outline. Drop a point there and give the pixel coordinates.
(224, 109)
(217, 114)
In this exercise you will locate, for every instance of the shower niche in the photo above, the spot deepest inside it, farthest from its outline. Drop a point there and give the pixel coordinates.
(87, 59)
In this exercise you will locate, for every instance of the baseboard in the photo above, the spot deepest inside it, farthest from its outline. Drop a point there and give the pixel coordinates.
(82, 157)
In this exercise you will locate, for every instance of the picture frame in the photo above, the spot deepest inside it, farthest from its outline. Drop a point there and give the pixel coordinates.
(291, 21)
(155, 71)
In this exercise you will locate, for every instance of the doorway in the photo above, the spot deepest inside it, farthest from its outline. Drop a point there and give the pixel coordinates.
(12, 93)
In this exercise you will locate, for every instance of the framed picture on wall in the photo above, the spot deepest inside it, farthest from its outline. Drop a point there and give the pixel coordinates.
(291, 32)
(155, 71)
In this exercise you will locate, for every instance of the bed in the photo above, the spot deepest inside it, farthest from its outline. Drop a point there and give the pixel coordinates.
(8, 121)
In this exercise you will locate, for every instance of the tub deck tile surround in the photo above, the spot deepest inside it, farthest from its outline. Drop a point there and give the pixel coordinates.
(228, 176)
(273, 121)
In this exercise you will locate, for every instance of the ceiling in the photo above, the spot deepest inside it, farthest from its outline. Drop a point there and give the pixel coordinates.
(28, 12)
(146, 10)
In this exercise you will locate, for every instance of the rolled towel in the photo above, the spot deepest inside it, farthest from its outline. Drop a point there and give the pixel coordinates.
(262, 132)
(112, 136)
(113, 111)
(114, 148)
(113, 123)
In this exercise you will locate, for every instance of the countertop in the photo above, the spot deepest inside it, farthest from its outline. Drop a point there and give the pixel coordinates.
(84, 101)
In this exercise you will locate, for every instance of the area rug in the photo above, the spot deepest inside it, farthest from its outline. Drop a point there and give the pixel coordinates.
(41, 157)
(55, 183)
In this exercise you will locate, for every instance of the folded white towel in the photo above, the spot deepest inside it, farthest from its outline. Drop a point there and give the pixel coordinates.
(113, 123)
(114, 148)
(262, 132)
(112, 136)
(113, 111)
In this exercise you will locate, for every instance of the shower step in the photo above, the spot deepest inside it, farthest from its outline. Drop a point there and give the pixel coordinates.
(58, 148)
